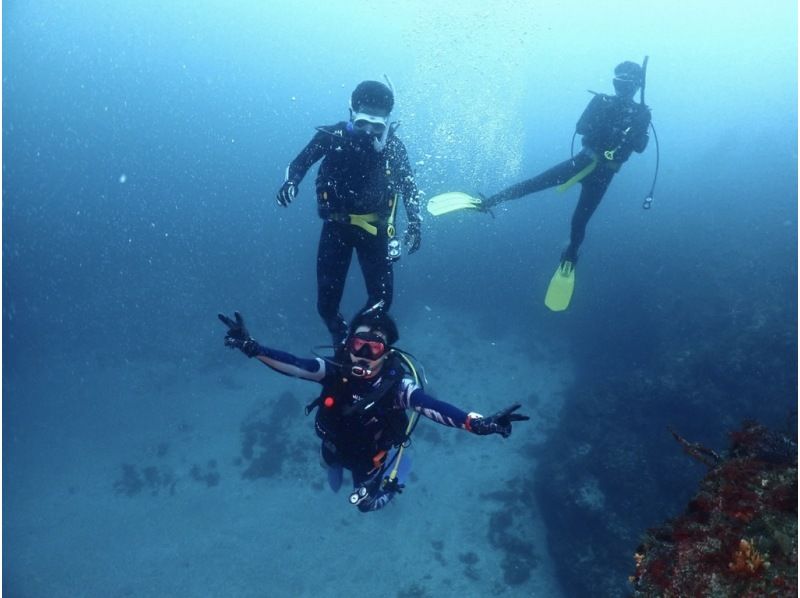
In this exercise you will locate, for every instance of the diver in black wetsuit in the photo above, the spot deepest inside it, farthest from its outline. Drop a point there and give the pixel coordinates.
(361, 410)
(612, 127)
(364, 173)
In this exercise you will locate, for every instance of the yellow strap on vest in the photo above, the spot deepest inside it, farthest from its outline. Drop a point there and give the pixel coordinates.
(365, 221)
(578, 177)
(411, 421)
(396, 467)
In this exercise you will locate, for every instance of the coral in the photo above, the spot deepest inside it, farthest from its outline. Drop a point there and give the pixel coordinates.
(746, 560)
(738, 535)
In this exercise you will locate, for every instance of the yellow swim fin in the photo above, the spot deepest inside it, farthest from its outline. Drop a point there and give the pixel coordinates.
(561, 286)
(450, 202)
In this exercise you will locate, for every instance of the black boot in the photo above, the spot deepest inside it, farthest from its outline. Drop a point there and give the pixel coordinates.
(570, 254)
(337, 326)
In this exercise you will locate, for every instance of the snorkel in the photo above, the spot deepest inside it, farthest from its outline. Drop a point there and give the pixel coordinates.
(379, 143)
(644, 79)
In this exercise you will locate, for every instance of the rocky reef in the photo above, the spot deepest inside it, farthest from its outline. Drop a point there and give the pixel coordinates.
(612, 469)
(738, 535)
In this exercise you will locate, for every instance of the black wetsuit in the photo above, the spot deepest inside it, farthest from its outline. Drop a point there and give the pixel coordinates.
(354, 178)
(612, 128)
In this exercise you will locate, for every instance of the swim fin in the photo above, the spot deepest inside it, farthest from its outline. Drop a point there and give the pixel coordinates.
(559, 292)
(450, 202)
(335, 475)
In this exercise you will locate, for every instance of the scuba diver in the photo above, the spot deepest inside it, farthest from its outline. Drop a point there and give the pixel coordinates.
(364, 173)
(361, 409)
(612, 128)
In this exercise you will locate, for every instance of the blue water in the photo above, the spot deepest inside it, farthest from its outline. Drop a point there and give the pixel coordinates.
(143, 145)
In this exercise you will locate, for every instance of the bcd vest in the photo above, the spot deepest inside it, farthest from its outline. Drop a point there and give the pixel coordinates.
(362, 425)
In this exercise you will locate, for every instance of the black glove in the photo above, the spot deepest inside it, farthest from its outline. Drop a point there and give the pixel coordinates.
(237, 336)
(287, 193)
(413, 236)
(393, 485)
(499, 423)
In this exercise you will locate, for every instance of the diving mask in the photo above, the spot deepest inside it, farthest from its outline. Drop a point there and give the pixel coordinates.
(370, 124)
(366, 345)
(625, 86)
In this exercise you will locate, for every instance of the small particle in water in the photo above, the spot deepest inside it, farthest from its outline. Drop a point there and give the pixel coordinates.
(123, 177)
(428, 308)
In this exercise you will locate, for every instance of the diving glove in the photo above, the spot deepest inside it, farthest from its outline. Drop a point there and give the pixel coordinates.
(499, 423)
(413, 236)
(287, 193)
(392, 485)
(237, 336)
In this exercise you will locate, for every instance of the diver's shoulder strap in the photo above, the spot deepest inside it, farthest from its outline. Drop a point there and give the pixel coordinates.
(333, 387)
(395, 372)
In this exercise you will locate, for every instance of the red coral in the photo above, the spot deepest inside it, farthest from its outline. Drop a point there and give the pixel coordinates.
(747, 561)
(747, 499)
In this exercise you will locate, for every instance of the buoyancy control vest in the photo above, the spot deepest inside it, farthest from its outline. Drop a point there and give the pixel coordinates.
(362, 425)
(612, 127)
(353, 178)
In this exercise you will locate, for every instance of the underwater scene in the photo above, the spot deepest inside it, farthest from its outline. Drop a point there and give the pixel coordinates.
(411, 299)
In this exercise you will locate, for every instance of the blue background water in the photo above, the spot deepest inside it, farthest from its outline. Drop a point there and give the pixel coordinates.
(143, 144)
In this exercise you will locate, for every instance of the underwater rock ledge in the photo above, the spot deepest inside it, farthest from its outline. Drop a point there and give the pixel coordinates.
(738, 535)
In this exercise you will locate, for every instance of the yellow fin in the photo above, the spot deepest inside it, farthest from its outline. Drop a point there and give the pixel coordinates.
(559, 292)
(450, 202)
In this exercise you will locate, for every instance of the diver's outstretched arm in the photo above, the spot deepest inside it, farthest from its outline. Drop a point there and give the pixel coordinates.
(450, 415)
(238, 337)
